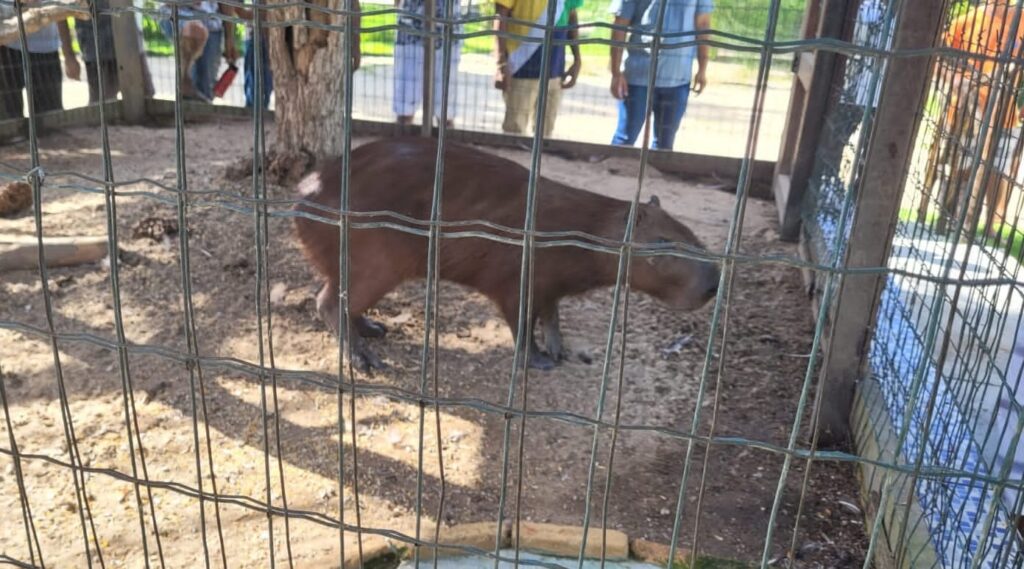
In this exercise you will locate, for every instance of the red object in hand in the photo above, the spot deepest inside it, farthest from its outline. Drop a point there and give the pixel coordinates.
(225, 80)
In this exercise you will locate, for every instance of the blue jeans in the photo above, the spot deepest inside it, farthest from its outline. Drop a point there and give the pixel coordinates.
(668, 106)
(249, 69)
(204, 70)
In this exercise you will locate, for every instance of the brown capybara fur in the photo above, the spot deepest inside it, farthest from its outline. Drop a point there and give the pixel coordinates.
(397, 175)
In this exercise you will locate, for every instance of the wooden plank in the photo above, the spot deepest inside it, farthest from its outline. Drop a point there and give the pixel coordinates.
(19, 252)
(885, 172)
(875, 440)
(806, 118)
(129, 63)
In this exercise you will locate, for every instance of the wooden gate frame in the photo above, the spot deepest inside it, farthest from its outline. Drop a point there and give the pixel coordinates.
(814, 76)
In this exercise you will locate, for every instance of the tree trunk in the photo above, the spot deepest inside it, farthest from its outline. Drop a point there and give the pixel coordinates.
(309, 85)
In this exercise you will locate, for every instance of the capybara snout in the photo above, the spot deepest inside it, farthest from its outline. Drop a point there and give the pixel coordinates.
(675, 276)
(396, 175)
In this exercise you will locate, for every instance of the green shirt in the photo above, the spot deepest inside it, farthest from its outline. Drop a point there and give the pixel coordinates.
(570, 5)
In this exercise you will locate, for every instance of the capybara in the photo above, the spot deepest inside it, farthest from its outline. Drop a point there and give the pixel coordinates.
(397, 175)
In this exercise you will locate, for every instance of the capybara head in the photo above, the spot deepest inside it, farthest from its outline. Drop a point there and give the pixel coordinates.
(683, 283)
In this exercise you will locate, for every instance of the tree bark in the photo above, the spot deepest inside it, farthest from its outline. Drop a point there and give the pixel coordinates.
(309, 84)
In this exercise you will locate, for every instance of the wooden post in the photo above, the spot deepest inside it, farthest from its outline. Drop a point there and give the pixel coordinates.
(806, 115)
(129, 63)
(887, 162)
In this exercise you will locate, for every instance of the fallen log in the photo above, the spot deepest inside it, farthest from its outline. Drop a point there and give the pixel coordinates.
(20, 252)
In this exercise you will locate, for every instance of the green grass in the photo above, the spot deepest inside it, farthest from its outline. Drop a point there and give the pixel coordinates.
(157, 44)
(1007, 238)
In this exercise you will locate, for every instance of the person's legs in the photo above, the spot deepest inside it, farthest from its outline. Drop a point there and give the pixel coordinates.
(268, 75)
(552, 104)
(249, 73)
(408, 86)
(147, 78)
(12, 81)
(47, 76)
(92, 77)
(520, 104)
(631, 116)
(669, 107)
(109, 78)
(204, 71)
(453, 73)
(192, 38)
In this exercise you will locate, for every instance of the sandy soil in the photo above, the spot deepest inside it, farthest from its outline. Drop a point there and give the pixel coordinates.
(769, 340)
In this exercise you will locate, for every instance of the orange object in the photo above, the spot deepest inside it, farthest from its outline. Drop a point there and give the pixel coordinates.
(225, 80)
(983, 31)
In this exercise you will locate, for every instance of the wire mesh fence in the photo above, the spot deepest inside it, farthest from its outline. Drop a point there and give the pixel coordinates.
(943, 353)
(177, 409)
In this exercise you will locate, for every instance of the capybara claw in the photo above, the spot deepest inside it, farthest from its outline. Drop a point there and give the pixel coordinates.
(366, 361)
(541, 361)
(369, 328)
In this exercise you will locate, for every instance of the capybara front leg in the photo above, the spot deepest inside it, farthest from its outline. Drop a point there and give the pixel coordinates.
(536, 359)
(327, 305)
(552, 331)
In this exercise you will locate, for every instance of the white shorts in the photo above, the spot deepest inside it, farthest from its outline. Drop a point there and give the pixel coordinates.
(409, 79)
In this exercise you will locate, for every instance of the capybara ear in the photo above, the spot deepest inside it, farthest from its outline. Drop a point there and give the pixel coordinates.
(639, 214)
(654, 201)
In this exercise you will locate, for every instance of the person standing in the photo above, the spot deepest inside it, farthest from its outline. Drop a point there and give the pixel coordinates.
(44, 48)
(673, 78)
(249, 60)
(202, 35)
(409, 58)
(105, 63)
(249, 69)
(220, 41)
(520, 62)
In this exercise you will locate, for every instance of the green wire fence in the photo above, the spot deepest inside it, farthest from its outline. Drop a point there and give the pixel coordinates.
(934, 410)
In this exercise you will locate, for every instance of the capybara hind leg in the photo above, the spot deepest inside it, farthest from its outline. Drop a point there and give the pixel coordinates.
(552, 333)
(369, 328)
(327, 305)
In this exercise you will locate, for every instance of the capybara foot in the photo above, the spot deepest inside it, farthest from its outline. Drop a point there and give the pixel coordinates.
(366, 361)
(369, 328)
(555, 350)
(540, 360)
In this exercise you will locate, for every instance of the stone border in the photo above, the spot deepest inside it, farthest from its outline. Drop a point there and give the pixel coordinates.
(544, 539)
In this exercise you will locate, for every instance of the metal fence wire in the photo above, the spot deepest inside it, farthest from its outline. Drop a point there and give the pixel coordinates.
(943, 356)
(942, 368)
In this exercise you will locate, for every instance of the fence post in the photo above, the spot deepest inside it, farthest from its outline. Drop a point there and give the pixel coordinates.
(887, 163)
(129, 63)
(805, 118)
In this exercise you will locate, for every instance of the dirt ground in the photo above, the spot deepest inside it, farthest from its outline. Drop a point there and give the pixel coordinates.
(770, 331)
